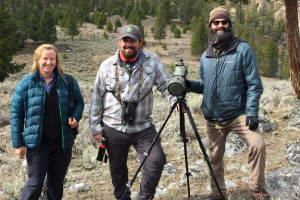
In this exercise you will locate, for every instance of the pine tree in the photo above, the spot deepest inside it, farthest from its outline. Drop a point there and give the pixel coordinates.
(177, 32)
(128, 8)
(270, 61)
(117, 23)
(200, 37)
(153, 5)
(8, 45)
(159, 27)
(101, 21)
(285, 71)
(143, 8)
(33, 25)
(47, 30)
(172, 27)
(95, 17)
(109, 26)
(71, 26)
(166, 4)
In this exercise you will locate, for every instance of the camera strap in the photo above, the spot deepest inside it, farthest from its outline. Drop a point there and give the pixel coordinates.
(118, 95)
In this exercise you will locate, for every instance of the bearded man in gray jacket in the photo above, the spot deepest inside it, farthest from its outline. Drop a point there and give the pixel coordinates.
(121, 109)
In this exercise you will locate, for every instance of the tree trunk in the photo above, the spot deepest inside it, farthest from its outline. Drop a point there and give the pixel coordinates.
(293, 44)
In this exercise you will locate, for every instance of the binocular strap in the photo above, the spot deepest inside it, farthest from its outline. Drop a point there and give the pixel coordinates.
(118, 95)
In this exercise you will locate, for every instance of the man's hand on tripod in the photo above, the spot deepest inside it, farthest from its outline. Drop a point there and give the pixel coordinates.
(178, 108)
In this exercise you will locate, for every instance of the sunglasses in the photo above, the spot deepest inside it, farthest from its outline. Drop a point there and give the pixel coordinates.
(223, 22)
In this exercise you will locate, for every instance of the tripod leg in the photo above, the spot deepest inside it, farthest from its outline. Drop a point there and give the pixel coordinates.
(184, 139)
(206, 158)
(146, 154)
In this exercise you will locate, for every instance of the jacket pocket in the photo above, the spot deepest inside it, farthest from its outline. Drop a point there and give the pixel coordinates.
(148, 80)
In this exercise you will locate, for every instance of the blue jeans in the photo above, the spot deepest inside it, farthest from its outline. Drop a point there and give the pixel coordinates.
(50, 160)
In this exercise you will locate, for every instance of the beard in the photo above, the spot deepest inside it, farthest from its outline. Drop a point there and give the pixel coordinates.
(220, 37)
(129, 54)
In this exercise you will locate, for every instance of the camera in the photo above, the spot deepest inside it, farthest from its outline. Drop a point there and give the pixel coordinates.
(101, 151)
(128, 112)
(177, 86)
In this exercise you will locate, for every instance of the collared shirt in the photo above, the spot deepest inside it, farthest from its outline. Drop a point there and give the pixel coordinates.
(106, 108)
(49, 86)
(130, 67)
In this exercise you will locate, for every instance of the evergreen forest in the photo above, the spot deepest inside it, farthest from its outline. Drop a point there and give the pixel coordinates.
(256, 23)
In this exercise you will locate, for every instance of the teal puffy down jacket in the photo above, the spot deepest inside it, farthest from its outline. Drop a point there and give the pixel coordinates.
(27, 107)
(230, 84)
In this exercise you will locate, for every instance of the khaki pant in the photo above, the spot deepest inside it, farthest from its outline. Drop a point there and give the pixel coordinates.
(256, 154)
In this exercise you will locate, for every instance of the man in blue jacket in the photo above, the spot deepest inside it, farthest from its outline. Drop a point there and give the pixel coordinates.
(231, 88)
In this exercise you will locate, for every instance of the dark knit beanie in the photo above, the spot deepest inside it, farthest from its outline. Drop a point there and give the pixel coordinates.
(219, 12)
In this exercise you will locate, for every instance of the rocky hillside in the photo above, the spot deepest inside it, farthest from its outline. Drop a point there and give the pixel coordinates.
(90, 179)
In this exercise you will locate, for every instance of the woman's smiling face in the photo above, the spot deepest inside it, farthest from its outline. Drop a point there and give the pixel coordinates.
(47, 62)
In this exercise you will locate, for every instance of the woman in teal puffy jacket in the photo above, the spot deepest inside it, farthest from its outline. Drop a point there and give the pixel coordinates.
(42, 122)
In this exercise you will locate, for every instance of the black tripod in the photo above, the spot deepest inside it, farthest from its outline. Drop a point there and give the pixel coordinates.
(182, 104)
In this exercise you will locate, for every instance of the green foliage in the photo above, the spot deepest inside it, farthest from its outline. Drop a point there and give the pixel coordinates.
(270, 63)
(187, 9)
(129, 8)
(164, 46)
(143, 7)
(105, 35)
(109, 26)
(285, 71)
(33, 25)
(252, 22)
(117, 23)
(159, 28)
(167, 8)
(185, 28)
(47, 30)
(8, 45)
(257, 27)
(153, 5)
(172, 27)
(95, 17)
(57, 15)
(65, 56)
(200, 37)
(71, 25)
(177, 32)
(82, 9)
(101, 20)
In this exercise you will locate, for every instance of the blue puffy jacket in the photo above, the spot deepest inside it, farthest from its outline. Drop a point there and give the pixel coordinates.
(28, 103)
(230, 84)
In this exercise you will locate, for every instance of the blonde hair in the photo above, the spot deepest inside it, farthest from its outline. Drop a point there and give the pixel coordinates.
(37, 55)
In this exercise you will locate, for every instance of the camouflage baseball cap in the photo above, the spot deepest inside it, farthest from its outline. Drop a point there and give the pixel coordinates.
(132, 31)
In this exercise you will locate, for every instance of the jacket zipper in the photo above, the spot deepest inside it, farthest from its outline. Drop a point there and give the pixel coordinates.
(62, 130)
(43, 111)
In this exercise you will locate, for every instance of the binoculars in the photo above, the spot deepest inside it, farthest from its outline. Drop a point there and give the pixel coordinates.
(128, 112)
